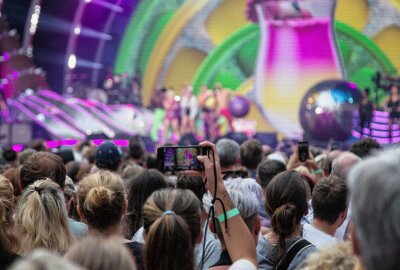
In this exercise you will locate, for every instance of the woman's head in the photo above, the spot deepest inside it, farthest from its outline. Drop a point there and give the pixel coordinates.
(101, 254)
(41, 217)
(139, 189)
(101, 200)
(286, 203)
(12, 174)
(171, 221)
(8, 240)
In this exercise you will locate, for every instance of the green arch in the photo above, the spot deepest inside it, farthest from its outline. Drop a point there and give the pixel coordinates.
(145, 24)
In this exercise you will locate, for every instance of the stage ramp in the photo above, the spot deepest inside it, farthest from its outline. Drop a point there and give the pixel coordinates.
(72, 118)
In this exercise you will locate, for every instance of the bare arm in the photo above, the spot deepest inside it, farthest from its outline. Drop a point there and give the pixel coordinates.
(237, 237)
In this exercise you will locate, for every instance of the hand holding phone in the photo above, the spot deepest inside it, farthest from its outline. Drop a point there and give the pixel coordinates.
(303, 150)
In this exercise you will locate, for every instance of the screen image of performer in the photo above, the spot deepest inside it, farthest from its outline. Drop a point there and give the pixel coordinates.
(366, 110)
(189, 110)
(392, 106)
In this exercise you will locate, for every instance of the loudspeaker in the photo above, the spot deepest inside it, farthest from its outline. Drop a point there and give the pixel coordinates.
(265, 138)
(16, 133)
(238, 137)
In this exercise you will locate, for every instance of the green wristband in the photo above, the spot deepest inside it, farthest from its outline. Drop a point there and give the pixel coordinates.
(230, 214)
(319, 171)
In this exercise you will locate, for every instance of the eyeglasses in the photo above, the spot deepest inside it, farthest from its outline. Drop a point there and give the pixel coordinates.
(234, 174)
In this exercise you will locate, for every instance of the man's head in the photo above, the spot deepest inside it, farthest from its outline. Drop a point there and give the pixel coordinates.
(342, 165)
(137, 148)
(42, 165)
(365, 147)
(331, 156)
(329, 200)
(375, 190)
(193, 183)
(247, 204)
(228, 151)
(9, 155)
(251, 154)
(108, 156)
(267, 170)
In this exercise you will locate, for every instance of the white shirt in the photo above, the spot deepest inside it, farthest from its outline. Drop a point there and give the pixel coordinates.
(243, 265)
(341, 232)
(317, 237)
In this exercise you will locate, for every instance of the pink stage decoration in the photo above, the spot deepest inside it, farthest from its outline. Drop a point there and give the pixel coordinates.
(297, 50)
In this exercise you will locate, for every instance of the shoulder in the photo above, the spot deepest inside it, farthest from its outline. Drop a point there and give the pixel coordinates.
(78, 229)
(138, 236)
(302, 256)
(243, 265)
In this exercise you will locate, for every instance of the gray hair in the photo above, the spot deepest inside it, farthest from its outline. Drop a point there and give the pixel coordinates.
(228, 151)
(375, 187)
(342, 165)
(247, 204)
(245, 185)
(245, 194)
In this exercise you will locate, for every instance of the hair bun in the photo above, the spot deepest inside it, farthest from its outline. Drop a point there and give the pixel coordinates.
(98, 197)
(283, 220)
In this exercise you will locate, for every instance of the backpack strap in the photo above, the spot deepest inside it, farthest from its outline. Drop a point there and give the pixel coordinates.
(293, 250)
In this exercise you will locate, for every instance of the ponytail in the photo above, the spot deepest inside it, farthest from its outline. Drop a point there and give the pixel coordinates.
(286, 203)
(283, 223)
(172, 223)
(171, 232)
(42, 218)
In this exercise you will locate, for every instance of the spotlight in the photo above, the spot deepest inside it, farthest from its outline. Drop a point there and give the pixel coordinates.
(77, 30)
(72, 61)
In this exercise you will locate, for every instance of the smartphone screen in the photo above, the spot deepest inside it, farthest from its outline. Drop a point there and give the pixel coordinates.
(179, 158)
(303, 151)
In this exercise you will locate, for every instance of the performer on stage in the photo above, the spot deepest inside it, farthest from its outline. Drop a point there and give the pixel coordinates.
(189, 110)
(171, 120)
(3, 110)
(366, 110)
(223, 97)
(393, 108)
(208, 105)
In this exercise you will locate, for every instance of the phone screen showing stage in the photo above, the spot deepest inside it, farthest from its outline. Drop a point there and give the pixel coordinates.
(182, 159)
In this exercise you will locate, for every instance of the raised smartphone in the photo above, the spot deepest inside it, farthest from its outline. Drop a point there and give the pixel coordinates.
(180, 158)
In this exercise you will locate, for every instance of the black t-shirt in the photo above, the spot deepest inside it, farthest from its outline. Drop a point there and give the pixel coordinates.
(6, 259)
(137, 250)
(224, 259)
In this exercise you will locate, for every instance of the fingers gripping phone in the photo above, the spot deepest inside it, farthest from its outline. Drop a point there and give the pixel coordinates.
(180, 158)
(303, 149)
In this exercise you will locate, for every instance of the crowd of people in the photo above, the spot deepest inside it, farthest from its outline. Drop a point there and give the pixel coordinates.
(251, 208)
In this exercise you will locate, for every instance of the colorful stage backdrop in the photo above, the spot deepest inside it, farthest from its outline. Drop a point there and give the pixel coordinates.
(173, 42)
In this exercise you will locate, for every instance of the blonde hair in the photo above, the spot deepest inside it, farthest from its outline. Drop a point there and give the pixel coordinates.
(339, 257)
(171, 220)
(43, 260)
(96, 253)
(8, 240)
(101, 198)
(41, 217)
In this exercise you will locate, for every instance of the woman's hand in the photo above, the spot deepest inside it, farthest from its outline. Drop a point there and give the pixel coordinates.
(208, 174)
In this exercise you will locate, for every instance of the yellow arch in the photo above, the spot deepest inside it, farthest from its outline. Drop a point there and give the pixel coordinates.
(166, 40)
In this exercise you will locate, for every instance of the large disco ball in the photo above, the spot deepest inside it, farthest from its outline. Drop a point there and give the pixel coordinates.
(329, 110)
(239, 106)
